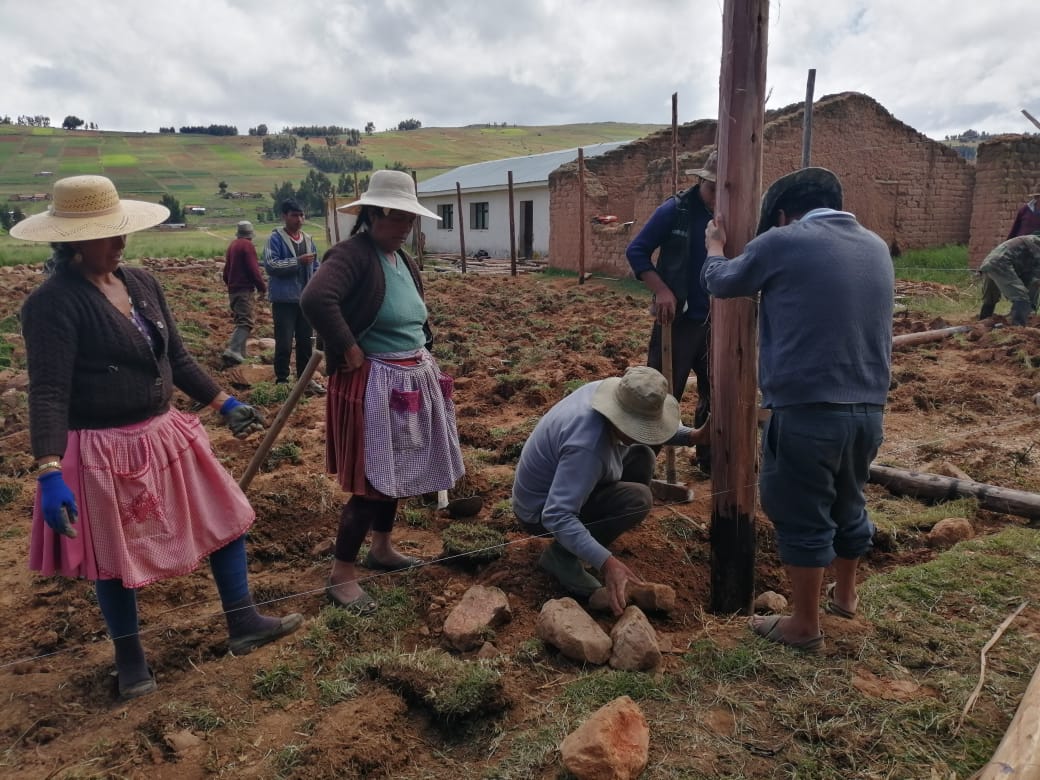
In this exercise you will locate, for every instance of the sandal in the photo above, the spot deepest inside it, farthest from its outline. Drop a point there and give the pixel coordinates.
(832, 607)
(362, 605)
(768, 630)
(408, 562)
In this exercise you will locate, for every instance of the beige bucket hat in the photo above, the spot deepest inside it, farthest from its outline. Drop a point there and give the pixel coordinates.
(639, 405)
(390, 190)
(88, 207)
(710, 171)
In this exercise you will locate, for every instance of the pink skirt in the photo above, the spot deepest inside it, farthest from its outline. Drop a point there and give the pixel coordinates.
(153, 501)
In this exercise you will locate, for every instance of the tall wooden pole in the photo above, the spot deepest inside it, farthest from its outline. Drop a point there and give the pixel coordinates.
(734, 322)
(675, 142)
(416, 226)
(357, 192)
(512, 229)
(462, 228)
(1030, 117)
(335, 219)
(581, 215)
(810, 85)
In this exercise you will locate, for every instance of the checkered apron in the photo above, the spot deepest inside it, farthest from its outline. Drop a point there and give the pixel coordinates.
(411, 442)
(153, 502)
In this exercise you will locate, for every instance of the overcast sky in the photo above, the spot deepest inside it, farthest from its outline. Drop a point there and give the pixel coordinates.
(941, 66)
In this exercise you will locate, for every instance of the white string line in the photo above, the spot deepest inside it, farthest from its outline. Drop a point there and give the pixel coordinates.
(449, 558)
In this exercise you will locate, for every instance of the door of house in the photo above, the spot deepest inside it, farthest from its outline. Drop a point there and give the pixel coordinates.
(526, 248)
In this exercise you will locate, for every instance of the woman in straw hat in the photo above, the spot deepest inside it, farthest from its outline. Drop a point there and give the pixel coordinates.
(390, 428)
(129, 491)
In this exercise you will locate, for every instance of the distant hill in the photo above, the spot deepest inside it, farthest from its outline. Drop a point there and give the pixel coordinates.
(190, 167)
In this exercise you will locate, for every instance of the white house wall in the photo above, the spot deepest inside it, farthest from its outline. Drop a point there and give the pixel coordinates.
(494, 240)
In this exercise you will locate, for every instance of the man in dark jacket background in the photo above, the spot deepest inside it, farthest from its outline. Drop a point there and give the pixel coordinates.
(243, 278)
(676, 232)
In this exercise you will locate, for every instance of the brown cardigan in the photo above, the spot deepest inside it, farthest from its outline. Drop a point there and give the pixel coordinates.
(342, 300)
(89, 366)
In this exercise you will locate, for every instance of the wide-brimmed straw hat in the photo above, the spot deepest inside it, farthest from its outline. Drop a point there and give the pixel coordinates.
(710, 171)
(88, 207)
(390, 190)
(804, 180)
(639, 405)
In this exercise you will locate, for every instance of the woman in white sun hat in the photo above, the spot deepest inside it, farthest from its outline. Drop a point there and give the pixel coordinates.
(129, 491)
(390, 420)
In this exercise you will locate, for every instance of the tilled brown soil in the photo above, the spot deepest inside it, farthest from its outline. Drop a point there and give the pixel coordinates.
(515, 346)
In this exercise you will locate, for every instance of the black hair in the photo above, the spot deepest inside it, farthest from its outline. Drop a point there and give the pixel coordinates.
(291, 204)
(61, 257)
(803, 198)
(364, 219)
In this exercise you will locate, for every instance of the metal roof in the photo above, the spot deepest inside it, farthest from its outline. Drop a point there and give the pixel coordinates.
(526, 170)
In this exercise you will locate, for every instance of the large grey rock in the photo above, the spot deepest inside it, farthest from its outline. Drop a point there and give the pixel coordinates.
(563, 624)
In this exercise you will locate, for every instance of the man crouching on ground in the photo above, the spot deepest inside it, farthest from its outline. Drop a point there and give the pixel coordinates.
(584, 475)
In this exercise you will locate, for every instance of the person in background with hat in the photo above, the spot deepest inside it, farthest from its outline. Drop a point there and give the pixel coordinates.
(128, 488)
(242, 276)
(390, 420)
(1027, 218)
(1012, 269)
(825, 341)
(674, 231)
(584, 475)
(291, 260)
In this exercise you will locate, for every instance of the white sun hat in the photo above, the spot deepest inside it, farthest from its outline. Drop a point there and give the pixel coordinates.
(639, 405)
(390, 190)
(88, 207)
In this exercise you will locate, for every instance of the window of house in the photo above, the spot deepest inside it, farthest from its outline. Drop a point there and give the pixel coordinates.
(478, 215)
(446, 212)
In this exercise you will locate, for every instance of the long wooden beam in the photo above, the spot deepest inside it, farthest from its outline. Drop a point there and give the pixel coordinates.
(1018, 755)
(934, 486)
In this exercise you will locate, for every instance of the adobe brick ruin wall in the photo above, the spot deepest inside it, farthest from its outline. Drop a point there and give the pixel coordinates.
(1007, 169)
(912, 191)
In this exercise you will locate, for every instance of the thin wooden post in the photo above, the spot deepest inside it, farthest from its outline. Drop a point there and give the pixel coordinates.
(1018, 754)
(675, 142)
(462, 228)
(417, 225)
(581, 215)
(357, 192)
(512, 230)
(810, 85)
(734, 323)
(1030, 117)
(335, 219)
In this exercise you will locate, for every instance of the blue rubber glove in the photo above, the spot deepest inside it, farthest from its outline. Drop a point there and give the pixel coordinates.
(241, 418)
(58, 503)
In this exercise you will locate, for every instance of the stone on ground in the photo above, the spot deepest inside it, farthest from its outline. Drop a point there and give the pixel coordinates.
(563, 624)
(480, 610)
(613, 744)
(636, 648)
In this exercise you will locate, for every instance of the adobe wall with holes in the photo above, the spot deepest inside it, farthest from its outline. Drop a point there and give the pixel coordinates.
(912, 191)
(1007, 170)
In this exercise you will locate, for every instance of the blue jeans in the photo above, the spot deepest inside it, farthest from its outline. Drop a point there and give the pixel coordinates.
(815, 462)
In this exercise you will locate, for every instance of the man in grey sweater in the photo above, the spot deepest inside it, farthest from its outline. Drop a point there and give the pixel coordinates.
(825, 341)
(584, 475)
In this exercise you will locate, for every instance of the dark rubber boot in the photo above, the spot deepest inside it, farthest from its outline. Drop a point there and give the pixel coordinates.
(987, 310)
(1020, 311)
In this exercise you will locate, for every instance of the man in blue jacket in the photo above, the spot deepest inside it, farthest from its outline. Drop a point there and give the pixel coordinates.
(825, 343)
(290, 259)
(675, 232)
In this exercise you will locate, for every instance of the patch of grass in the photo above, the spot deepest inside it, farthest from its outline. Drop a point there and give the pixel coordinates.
(286, 452)
(9, 492)
(573, 384)
(452, 689)
(472, 543)
(501, 509)
(415, 517)
(945, 264)
(334, 691)
(267, 393)
(287, 760)
(904, 518)
(530, 752)
(589, 693)
(280, 681)
(706, 661)
(196, 717)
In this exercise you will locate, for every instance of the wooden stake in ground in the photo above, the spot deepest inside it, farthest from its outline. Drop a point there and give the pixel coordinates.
(581, 215)
(462, 228)
(417, 228)
(810, 84)
(335, 219)
(1018, 755)
(512, 229)
(734, 323)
